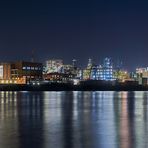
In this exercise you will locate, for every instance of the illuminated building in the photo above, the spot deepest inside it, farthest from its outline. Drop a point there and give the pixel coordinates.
(53, 66)
(74, 62)
(29, 70)
(80, 74)
(59, 72)
(5, 71)
(87, 73)
(94, 72)
(121, 75)
(103, 72)
(56, 70)
(106, 71)
(68, 69)
(59, 77)
(6, 76)
(142, 76)
(90, 63)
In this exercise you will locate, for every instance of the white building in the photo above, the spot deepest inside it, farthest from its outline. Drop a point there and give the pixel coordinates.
(54, 65)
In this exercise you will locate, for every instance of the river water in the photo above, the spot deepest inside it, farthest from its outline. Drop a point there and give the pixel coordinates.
(74, 119)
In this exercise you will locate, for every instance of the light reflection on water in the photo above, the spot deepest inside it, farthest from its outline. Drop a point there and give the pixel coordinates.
(74, 119)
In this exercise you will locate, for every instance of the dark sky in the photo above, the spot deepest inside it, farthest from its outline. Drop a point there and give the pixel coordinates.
(75, 29)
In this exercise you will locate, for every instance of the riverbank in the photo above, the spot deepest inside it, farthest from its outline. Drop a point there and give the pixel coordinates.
(70, 87)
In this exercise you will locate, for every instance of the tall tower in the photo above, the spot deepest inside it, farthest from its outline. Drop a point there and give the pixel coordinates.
(74, 62)
(107, 62)
(89, 63)
(107, 69)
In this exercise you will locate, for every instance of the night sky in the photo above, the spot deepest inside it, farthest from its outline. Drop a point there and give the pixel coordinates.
(75, 29)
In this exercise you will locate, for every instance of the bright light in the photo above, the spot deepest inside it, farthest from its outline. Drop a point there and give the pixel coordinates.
(75, 81)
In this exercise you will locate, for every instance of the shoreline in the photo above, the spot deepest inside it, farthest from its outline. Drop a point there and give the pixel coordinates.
(70, 87)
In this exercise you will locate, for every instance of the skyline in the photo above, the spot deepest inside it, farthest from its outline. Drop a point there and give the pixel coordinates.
(116, 64)
(75, 29)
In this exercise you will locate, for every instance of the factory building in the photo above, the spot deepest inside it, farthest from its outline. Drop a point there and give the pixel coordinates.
(20, 72)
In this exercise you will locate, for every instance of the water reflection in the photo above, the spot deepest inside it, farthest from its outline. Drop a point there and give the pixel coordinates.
(73, 119)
